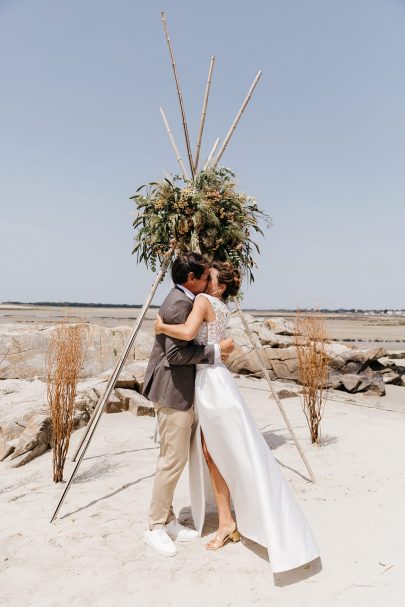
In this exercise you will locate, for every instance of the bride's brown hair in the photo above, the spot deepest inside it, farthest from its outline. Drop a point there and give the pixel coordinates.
(229, 276)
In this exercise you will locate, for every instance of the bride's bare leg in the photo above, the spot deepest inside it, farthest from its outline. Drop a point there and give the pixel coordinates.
(222, 496)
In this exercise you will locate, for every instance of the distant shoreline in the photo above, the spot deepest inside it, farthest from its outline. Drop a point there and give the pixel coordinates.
(68, 304)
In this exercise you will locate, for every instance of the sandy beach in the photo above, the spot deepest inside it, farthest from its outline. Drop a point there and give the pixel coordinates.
(94, 554)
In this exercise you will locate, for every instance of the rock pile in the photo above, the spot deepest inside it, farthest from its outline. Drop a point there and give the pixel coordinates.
(25, 425)
(352, 370)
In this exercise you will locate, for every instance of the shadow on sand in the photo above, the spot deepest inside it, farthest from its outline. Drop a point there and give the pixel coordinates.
(286, 578)
(105, 497)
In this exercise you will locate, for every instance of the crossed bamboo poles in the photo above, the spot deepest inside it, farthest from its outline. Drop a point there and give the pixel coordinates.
(211, 162)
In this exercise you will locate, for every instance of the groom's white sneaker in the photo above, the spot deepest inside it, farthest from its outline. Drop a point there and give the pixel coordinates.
(160, 542)
(179, 532)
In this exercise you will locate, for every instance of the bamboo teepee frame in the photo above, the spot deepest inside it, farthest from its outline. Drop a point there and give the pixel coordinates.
(193, 163)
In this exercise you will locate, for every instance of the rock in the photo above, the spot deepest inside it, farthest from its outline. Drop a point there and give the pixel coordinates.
(334, 381)
(86, 401)
(24, 349)
(281, 362)
(346, 369)
(281, 326)
(259, 328)
(136, 403)
(25, 420)
(28, 456)
(34, 440)
(243, 360)
(237, 332)
(114, 403)
(390, 377)
(371, 382)
(6, 449)
(396, 354)
(270, 338)
(392, 368)
(125, 395)
(286, 394)
(20, 400)
(402, 380)
(131, 376)
(351, 367)
(26, 346)
(376, 389)
(349, 360)
(350, 382)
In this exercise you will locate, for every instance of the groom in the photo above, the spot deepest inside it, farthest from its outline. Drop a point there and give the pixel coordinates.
(169, 383)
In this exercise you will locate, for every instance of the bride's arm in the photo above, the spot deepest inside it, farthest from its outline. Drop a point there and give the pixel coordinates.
(188, 330)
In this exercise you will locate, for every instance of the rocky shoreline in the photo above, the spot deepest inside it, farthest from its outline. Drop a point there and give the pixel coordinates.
(25, 425)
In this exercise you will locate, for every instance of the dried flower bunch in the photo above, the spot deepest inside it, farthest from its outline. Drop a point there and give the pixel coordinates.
(205, 215)
(64, 361)
(310, 340)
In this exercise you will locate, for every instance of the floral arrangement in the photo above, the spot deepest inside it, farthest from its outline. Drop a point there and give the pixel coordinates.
(205, 215)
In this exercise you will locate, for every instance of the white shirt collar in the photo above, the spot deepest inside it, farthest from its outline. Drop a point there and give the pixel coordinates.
(189, 294)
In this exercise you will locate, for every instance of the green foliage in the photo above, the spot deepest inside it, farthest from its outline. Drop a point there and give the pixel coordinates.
(205, 215)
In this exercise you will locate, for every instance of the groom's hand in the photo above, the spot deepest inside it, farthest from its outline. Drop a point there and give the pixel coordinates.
(226, 346)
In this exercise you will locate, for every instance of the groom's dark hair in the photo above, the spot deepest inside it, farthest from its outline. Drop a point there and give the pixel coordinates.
(186, 263)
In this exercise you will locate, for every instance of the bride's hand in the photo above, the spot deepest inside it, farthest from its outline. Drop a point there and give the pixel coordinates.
(158, 325)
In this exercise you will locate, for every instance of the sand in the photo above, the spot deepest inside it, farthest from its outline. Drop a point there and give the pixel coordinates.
(94, 554)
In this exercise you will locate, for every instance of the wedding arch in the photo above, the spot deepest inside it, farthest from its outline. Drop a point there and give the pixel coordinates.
(205, 214)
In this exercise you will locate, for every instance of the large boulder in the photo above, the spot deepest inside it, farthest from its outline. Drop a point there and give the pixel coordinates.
(24, 348)
(349, 360)
(25, 420)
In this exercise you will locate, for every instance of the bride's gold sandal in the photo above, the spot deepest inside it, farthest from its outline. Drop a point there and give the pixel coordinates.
(218, 542)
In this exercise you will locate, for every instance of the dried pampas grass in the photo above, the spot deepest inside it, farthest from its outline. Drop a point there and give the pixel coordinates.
(64, 361)
(313, 368)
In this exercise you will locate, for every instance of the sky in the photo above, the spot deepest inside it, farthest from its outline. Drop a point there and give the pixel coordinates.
(321, 145)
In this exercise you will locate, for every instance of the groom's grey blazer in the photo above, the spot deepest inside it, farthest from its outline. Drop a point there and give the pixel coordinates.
(170, 375)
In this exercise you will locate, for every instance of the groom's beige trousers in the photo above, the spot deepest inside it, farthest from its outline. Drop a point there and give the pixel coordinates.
(175, 432)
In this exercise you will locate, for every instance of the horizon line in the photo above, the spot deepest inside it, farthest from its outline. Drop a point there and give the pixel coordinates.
(108, 305)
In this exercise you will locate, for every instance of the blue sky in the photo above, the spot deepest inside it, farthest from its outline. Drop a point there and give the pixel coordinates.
(321, 145)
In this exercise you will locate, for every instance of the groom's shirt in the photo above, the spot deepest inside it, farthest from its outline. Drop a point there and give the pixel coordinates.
(191, 296)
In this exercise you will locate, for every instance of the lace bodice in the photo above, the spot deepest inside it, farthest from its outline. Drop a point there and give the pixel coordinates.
(213, 332)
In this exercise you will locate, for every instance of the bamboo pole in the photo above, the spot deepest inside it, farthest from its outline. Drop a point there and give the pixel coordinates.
(90, 429)
(257, 349)
(120, 363)
(172, 141)
(203, 115)
(214, 147)
(180, 95)
(237, 118)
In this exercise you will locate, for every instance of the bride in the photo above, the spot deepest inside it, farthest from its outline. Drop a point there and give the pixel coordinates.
(236, 459)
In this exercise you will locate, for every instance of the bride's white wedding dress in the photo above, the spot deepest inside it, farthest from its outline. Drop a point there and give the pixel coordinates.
(265, 507)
